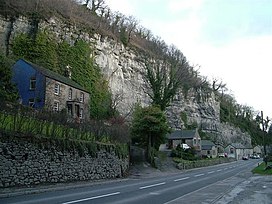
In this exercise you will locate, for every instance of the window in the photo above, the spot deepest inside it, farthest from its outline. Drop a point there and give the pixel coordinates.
(32, 85)
(81, 113)
(81, 99)
(70, 109)
(56, 106)
(194, 141)
(70, 94)
(57, 89)
(232, 150)
(31, 102)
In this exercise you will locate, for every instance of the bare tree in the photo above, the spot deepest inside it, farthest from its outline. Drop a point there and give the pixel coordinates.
(131, 25)
(216, 85)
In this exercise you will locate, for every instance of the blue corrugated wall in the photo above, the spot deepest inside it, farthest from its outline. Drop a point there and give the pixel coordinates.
(22, 73)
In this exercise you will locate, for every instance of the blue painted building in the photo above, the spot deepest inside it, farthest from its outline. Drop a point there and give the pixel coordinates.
(39, 87)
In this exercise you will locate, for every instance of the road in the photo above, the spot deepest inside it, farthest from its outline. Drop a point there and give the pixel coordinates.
(160, 190)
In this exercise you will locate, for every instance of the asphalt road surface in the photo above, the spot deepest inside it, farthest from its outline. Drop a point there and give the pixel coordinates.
(183, 187)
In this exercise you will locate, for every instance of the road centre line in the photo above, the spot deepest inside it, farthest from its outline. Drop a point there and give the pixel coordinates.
(181, 179)
(219, 170)
(153, 185)
(92, 198)
(199, 175)
(210, 172)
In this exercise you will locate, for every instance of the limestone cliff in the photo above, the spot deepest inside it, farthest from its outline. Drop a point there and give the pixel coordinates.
(123, 67)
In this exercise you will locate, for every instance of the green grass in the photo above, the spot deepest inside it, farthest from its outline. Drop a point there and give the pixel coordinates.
(261, 169)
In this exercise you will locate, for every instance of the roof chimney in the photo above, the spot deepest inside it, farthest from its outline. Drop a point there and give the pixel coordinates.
(68, 72)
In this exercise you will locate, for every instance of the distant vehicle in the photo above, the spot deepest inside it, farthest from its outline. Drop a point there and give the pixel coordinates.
(255, 156)
(245, 158)
(221, 155)
(185, 146)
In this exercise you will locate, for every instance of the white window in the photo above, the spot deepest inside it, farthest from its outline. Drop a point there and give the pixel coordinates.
(56, 106)
(57, 89)
(31, 102)
(81, 99)
(70, 94)
(81, 113)
(32, 85)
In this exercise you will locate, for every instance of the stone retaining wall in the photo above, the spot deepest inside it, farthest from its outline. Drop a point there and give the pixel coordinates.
(202, 163)
(24, 163)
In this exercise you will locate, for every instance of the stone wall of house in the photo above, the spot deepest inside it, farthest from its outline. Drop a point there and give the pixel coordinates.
(63, 96)
(26, 163)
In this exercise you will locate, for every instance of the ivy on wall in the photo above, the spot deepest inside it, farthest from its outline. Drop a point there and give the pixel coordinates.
(44, 50)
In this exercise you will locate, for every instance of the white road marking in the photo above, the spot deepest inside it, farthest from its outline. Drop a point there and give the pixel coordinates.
(153, 185)
(181, 179)
(154, 193)
(219, 170)
(92, 198)
(199, 175)
(210, 172)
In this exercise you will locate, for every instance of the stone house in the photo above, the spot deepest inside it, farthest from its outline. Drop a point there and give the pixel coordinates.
(39, 87)
(258, 150)
(208, 149)
(189, 137)
(237, 150)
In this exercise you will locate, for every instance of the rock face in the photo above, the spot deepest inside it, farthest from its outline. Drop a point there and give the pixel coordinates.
(123, 68)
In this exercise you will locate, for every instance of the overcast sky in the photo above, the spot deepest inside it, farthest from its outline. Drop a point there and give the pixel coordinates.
(230, 40)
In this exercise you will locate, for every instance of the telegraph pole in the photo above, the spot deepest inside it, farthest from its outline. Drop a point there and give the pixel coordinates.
(263, 134)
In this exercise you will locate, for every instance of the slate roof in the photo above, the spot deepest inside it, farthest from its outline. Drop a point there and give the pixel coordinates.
(240, 146)
(182, 134)
(56, 76)
(206, 144)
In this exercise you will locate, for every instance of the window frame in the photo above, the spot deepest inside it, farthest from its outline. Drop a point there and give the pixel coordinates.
(57, 89)
(70, 94)
(32, 83)
(81, 97)
(81, 113)
(31, 102)
(56, 106)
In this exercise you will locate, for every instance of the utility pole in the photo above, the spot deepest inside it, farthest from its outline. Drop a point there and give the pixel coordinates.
(263, 134)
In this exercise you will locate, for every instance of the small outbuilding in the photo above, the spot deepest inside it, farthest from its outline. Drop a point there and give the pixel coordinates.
(208, 149)
(237, 150)
(189, 137)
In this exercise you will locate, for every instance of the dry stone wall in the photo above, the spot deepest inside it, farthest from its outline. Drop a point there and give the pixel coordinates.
(24, 163)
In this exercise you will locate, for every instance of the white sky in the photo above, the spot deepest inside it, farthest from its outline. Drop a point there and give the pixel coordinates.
(230, 40)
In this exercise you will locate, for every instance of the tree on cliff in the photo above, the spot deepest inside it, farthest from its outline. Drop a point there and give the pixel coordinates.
(149, 127)
(94, 5)
(8, 91)
(164, 77)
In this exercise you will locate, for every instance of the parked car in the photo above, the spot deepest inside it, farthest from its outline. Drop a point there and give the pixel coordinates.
(255, 156)
(221, 155)
(245, 157)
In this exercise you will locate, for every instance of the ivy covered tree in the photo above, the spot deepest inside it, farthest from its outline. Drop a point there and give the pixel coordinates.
(40, 50)
(7, 89)
(149, 128)
(167, 74)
